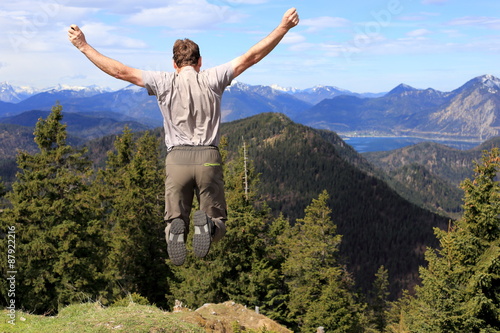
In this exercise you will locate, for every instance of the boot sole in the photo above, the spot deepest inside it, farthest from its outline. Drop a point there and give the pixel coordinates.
(202, 238)
(176, 246)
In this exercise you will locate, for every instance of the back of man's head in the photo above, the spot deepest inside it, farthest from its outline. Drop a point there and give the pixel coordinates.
(186, 53)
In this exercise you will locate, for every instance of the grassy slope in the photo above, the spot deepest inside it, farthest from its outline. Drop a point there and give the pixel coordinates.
(91, 317)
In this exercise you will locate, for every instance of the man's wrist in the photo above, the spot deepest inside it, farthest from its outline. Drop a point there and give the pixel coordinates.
(282, 29)
(83, 47)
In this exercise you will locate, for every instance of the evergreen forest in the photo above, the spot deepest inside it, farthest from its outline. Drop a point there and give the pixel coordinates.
(314, 236)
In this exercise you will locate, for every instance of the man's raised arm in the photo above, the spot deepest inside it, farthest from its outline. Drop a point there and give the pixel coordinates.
(109, 66)
(264, 47)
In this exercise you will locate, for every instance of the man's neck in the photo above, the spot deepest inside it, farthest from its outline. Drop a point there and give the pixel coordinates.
(183, 67)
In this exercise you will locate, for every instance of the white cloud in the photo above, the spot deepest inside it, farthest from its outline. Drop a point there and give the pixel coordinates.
(100, 34)
(36, 29)
(324, 22)
(302, 47)
(484, 21)
(293, 38)
(186, 15)
(123, 7)
(422, 16)
(419, 33)
(453, 33)
(332, 50)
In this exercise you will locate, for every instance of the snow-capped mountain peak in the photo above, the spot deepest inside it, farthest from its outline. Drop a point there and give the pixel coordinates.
(487, 83)
(87, 90)
(490, 81)
(236, 85)
(319, 88)
(16, 94)
(13, 94)
(287, 90)
(134, 88)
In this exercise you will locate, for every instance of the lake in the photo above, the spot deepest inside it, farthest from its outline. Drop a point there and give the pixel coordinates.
(368, 144)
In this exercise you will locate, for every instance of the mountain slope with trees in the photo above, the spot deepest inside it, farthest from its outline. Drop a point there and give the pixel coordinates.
(96, 234)
(429, 173)
(85, 126)
(460, 290)
(295, 162)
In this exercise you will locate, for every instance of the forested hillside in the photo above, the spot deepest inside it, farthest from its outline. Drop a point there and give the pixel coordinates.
(309, 223)
(295, 162)
(429, 173)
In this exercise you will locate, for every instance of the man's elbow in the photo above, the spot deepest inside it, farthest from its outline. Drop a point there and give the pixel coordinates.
(252, 60)
(132, 76)
(244, 63)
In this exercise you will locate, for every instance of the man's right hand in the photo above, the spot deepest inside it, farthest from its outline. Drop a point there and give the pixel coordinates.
(76, 37)
(290, 19)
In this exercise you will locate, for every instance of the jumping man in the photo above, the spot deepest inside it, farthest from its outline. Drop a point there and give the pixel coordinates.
(190, 102)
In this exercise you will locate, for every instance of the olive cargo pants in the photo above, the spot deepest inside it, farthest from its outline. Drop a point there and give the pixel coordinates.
(195, 170)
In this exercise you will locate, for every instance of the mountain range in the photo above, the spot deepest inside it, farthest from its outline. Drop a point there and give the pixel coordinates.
(470, 112)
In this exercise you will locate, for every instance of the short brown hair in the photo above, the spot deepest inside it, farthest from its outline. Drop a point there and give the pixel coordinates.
(186, 53)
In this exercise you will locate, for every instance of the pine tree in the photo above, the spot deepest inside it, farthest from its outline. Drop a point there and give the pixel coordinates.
(2, 188)
(379, 303)
(131, 190)
(58, 234)
(250, 278)
(3, 192)
(320, 288)
(460, 289)
(274, 305)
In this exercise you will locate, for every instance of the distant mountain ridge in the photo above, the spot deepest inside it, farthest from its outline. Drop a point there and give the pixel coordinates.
(471, 111)
(82, 126)
(429, 174)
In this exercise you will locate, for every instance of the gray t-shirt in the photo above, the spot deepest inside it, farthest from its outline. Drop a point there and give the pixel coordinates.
(190, 103)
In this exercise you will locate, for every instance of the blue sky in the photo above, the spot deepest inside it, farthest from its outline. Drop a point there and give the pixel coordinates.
(363, 46)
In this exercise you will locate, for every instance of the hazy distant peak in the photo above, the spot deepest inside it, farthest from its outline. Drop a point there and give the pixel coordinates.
(236, 85)
(400, 89)
(280, 88)
(14, 94)
(133, 88)
(8, 94)
(329, 88)
(490, 81)
(487, 82)
(85, 91)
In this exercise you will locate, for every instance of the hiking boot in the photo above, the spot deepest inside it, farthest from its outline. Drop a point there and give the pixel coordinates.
(203, 230)
(176, 246)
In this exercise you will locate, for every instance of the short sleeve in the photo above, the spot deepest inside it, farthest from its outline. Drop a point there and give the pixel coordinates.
(155, 82)
(220, 77)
